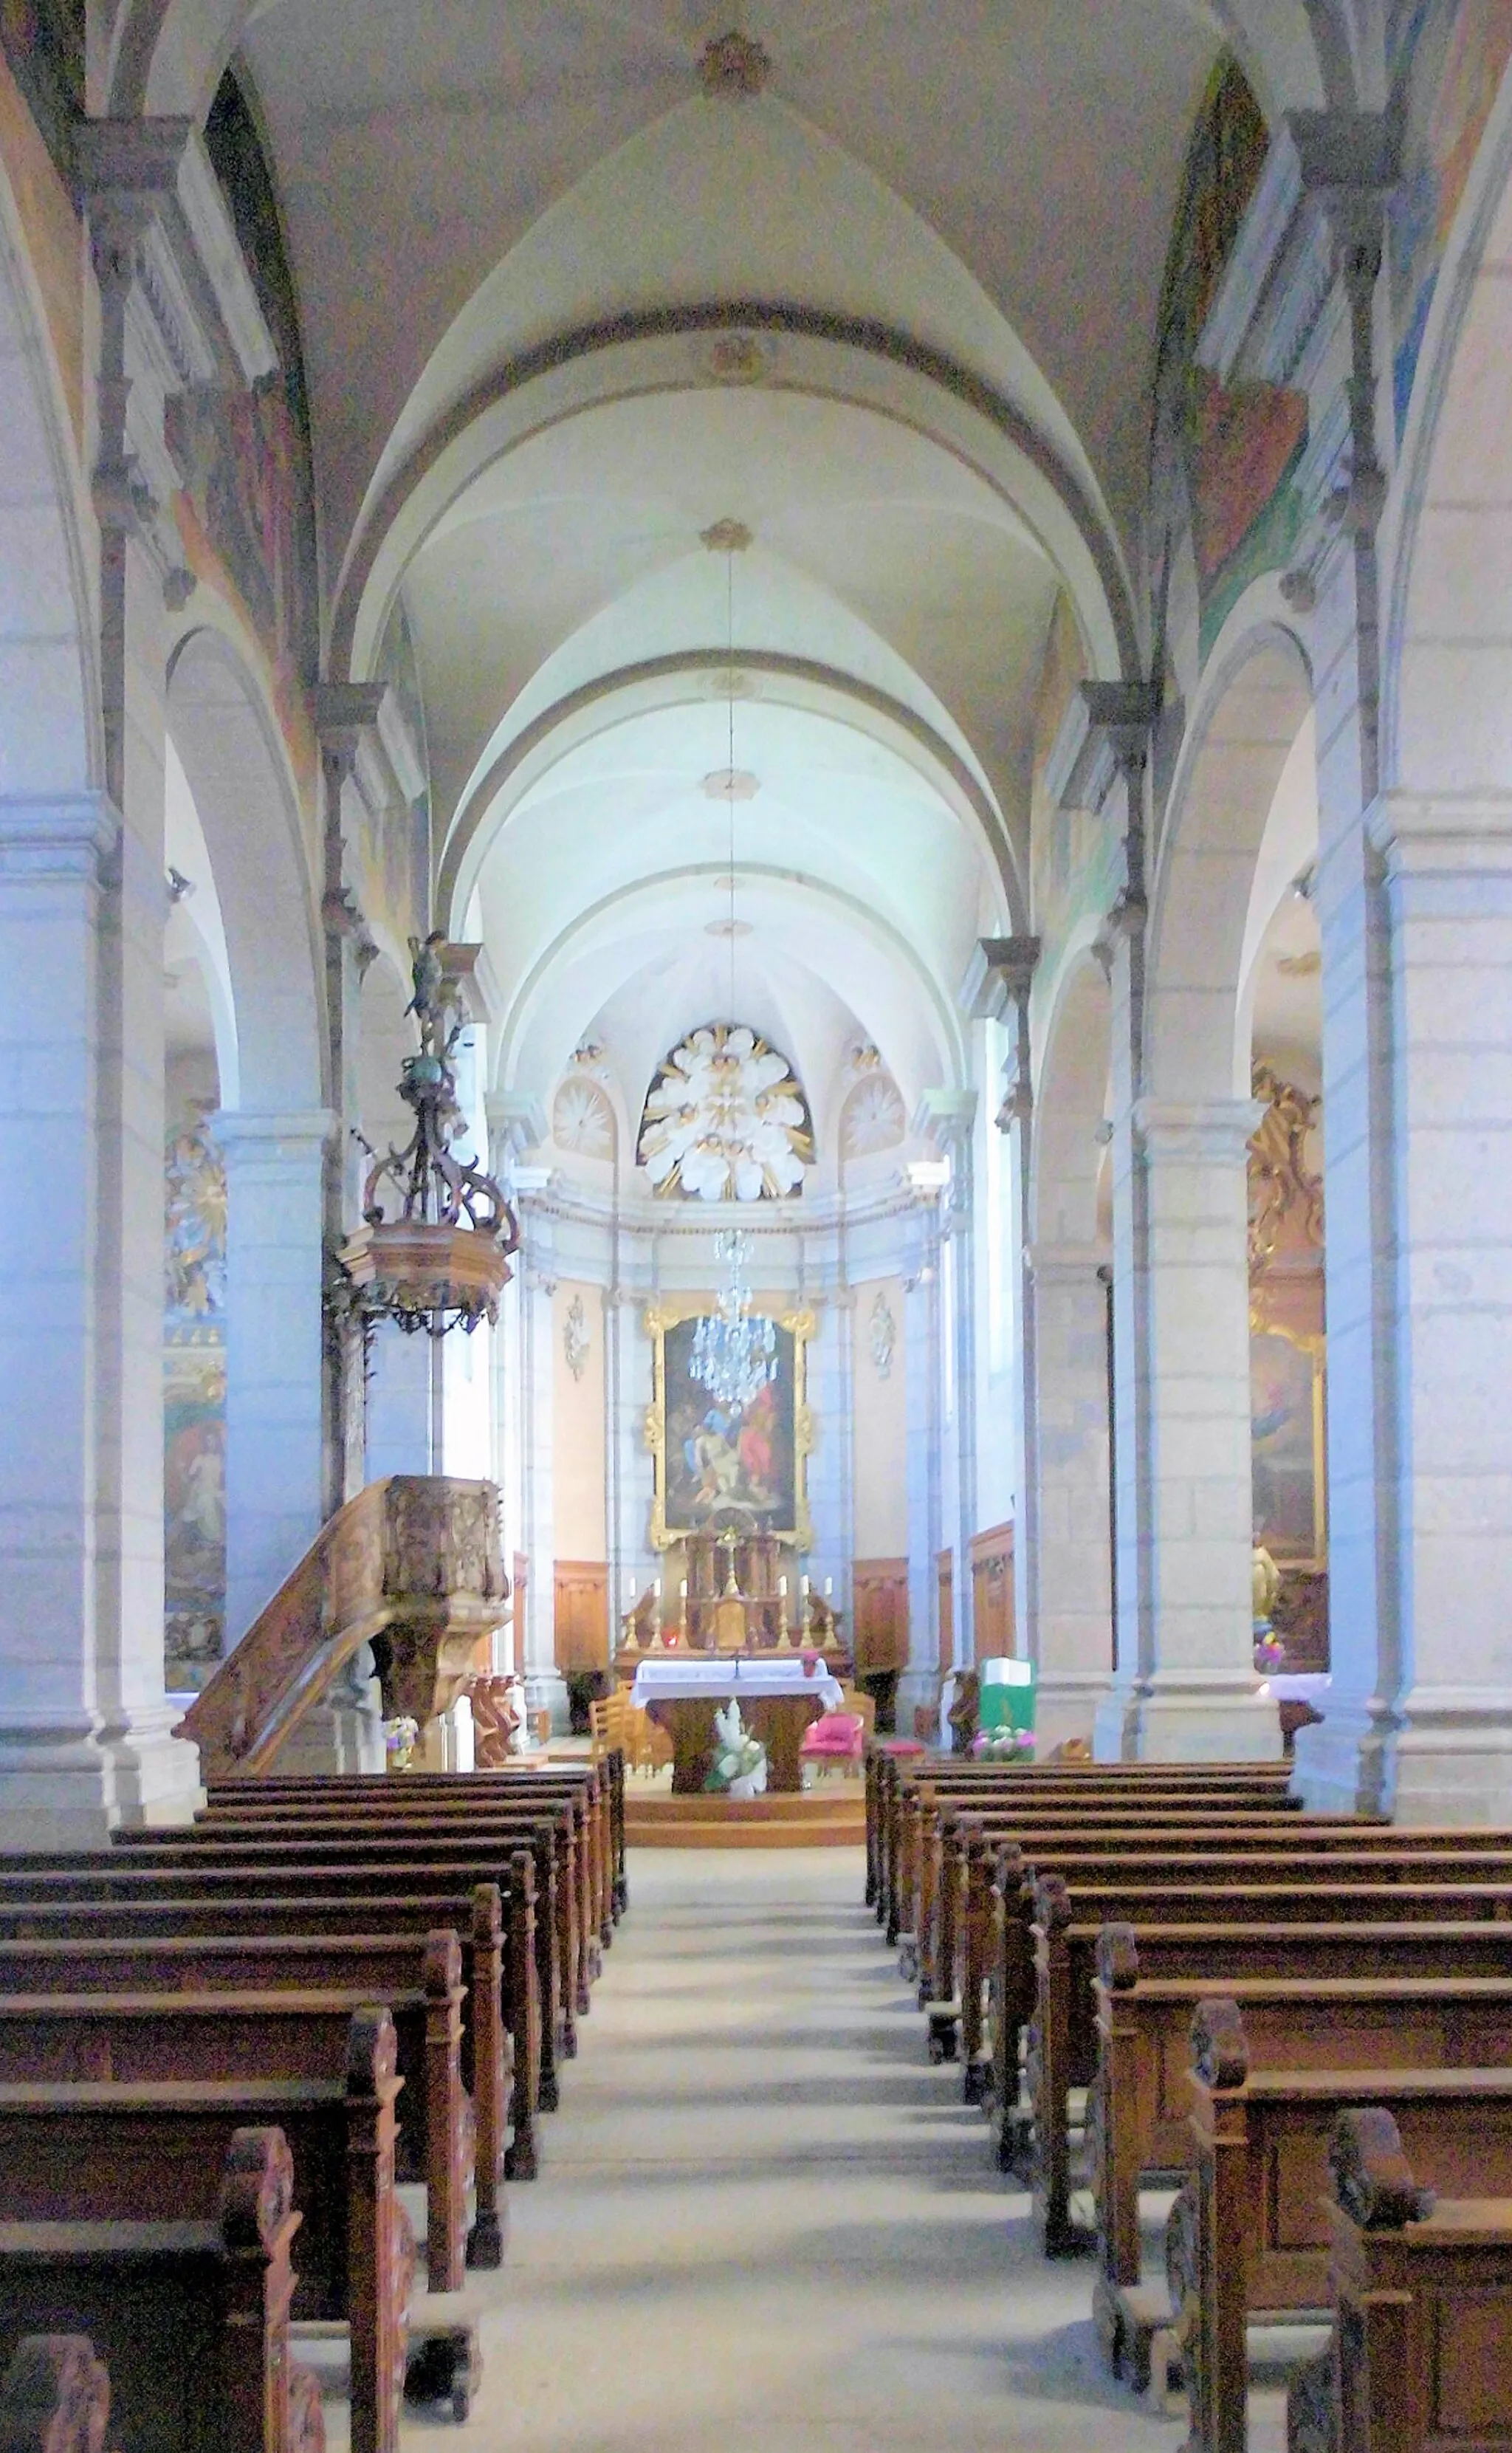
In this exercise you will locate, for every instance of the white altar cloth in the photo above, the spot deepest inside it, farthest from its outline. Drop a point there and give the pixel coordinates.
(681, 1677)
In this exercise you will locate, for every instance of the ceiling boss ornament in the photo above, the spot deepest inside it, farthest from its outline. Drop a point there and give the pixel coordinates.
(726, 1120)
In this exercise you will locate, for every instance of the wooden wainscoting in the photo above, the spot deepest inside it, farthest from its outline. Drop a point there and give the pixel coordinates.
(880, 1614)
(994, 1615)
(581, 1615)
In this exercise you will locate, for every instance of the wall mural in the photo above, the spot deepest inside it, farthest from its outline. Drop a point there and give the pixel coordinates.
(43, 42)
(1445, 59)
(726, 1120)
(194, 1406)
(1230, 450)
(247, 509)
(713, 1468)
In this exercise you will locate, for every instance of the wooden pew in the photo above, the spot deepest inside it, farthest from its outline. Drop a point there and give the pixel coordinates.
(1152, 1801)
(975, 1845)
(549, 1833)
(477, 1849)
(193, 2317)
(567, 1806)
(418, 1976)
(138, 2037)
(894, 1783)
(1422, 2293)
(603, 1783)
(1170, 1852)
(1138, 2114)
(1063, 2038)
(1249, 2230)
(116, 2153)
(344, 1872)
(54, 2397)
(501, 2012)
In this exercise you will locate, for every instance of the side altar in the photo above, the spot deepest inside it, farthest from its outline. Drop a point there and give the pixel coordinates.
(778, 1694)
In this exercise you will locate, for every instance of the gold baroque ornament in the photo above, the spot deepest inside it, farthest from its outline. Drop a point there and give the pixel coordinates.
(726, 1120)
(733, 68)
(714, 1469)
(1283, 1191)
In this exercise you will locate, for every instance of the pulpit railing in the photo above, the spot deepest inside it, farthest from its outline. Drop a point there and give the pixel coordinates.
(413, 1566)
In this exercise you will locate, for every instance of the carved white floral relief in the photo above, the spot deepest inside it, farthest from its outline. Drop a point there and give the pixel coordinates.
(726, 1120)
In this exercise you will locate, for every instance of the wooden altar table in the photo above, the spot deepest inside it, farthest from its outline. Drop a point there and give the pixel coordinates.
(778, 1697)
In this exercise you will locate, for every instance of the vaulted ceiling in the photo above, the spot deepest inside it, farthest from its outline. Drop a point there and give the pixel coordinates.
(894, 313)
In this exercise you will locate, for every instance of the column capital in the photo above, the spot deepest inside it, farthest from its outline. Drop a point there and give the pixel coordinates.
(257, 1132)
(1068, 1265)
(1000, 973)
(1201, 1131)
(1429, 834)
(44, 839)
(945, 1117)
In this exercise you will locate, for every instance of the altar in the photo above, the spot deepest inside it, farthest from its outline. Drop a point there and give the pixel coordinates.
(778, 1697)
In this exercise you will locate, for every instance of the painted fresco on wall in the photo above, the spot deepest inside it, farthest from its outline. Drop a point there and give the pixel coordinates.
(245, 512)
(1225, 454)
(194, 1405)
(392, 857)
(43, 42)
(1286, 1444)
(1447, 59)
(1074, 859)
(715, 1467)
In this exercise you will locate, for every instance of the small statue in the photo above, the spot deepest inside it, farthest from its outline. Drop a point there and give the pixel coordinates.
(427, 974)
(639, 1625)
(821, 1625)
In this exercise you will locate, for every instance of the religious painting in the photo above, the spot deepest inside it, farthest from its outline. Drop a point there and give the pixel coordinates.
(1230, 449)
(43, 43)
(194, 1513)
(1287, 1445)
(715, 1466)
(1445, 59)
(193, 1403)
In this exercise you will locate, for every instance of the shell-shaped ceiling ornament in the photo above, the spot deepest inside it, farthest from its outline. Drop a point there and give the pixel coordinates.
(726, 1119)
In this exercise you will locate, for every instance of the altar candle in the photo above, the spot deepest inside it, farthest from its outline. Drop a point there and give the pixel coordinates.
(805, 1588)
(658, 1587)
(830, 1587)
(781, 1586)
(683, 1589)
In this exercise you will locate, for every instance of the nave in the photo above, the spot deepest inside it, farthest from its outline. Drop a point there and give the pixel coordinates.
(764, 2221)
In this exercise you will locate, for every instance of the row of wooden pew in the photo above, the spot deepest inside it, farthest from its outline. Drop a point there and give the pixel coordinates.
(224, 2048)
(1305, 2023)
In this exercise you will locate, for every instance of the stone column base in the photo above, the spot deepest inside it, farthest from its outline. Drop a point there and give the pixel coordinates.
(1451, 1759)
(70, 1786)
(1165, 1719)
(1346, 1762)
(1066, 1706)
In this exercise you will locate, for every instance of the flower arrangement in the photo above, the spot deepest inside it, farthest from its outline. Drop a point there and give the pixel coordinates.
(1270, 1651)
(401, 1737)
(1004, 1745)
(740, 1760)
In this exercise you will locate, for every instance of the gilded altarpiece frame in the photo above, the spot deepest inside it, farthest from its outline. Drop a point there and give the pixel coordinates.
(714, 1472)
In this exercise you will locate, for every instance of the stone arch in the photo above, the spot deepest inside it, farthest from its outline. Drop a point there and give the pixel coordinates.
(1257, 696)
(51, 747)
(276, 1138)
(1071, 1103)
(239, 773)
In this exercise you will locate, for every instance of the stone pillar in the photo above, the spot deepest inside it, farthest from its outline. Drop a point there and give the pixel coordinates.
(919, 1686)
(403, 1429)
(1450, 890)
(545, 1688)
(1188, 1688)
(85, 1731)
(275, 1460)
(1071, 1630)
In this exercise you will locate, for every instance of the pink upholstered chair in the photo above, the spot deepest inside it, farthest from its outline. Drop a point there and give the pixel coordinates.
(835, 1738)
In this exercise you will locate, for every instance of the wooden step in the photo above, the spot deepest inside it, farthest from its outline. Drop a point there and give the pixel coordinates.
(826, 1818)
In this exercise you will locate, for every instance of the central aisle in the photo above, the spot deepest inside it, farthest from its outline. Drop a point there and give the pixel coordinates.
(763, 2221)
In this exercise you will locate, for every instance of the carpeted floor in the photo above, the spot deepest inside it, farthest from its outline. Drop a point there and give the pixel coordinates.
(763, 2221)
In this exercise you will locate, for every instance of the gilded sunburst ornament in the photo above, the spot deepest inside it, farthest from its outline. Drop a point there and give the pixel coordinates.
(726, 1120)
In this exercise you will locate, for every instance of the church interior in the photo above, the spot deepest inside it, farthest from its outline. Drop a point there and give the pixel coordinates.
(755, 1543)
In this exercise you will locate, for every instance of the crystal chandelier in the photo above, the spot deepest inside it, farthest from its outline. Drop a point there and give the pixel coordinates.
(734, 1354)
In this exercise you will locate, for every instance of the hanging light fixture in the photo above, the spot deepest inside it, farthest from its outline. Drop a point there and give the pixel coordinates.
(442, 1260)
(734, 1353)
(734, 1350)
